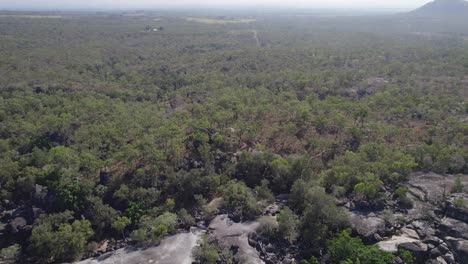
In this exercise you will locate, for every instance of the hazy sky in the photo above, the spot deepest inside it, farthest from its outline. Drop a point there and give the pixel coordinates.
(62, 4)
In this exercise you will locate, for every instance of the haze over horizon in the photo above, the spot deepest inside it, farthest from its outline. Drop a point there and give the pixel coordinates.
(123, 4)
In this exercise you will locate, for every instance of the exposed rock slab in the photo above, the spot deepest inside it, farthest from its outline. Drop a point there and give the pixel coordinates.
(231, 234)
(454, 228)
(460, 248)
(432, 187)
(391, 245)
(417, 248)
(365, 225)
(174, 249)
(409, 233)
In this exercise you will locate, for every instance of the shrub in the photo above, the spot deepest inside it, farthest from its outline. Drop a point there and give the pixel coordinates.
(347, 249)
(365, 191)
(311, 260)
(10, 254)
(264, 193)
(459, 202)
(206, 251)
(268, 226)
(406, 256)
(288, 223)
(120, 223)
(186, 219)
(239, 197)
(401, 195)
(458, 185)
(320, 218)
(401, 192)
(153, 229)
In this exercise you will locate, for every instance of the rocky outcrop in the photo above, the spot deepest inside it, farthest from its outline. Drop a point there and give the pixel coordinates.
(435, 230)
(457, 212)
(17, 224)
(454, 228)
(392, 244)
(370, 227)
(237, 237)
(459, 248)
(418, 248)
(230, 234)
(174, 249)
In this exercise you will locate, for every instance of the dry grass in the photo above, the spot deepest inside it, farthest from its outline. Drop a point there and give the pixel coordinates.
(219, 21)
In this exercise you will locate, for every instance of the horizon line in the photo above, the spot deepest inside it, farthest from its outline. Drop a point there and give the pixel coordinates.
(211, 7)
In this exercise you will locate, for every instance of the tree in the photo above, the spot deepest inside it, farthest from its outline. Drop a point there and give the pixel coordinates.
(120, 223)
(365, 191)
(288, 224)
(347, 249)
(206, 251)
(101, 215)
(185, 185)
(282, 178)
(186, 219)
(320, 217)
(264, 193)
(240, 198)
(151, 230)
(253, 167)
(71, 195)
(135, 211)
(360, 115)
(78, 127)
(54, 237)
(298, 194)
(128, 196)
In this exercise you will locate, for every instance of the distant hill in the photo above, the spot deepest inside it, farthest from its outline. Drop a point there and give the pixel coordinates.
(443, 8)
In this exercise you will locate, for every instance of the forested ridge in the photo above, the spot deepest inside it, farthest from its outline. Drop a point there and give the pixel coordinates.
(111, 131)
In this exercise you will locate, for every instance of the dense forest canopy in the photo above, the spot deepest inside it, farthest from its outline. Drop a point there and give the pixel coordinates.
(127, 125)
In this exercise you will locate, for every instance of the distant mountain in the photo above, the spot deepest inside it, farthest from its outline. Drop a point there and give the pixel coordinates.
(443, 8)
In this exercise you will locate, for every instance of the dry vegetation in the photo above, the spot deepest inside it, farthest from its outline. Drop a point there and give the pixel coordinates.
(30, 16)
(219, 21)
(109, 131)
